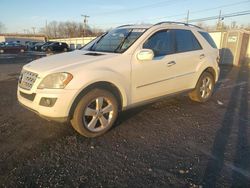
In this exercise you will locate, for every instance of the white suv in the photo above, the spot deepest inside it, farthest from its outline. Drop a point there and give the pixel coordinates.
(126, 67)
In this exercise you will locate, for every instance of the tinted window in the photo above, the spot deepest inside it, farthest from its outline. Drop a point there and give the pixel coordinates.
(208, 39)
(186, 41)
(162, 43)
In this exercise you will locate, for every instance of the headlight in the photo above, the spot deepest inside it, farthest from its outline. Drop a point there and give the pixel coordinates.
(55, 81)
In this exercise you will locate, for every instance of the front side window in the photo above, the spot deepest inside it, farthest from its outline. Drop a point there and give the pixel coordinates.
(162, 43)
(186, 41)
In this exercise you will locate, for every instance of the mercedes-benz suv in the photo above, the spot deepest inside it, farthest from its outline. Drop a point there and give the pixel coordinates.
(125, 67)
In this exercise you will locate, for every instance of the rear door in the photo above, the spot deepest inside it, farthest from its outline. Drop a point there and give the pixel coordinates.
(188, 56)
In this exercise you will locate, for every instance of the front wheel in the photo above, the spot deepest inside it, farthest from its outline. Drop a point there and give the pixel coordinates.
(204, 88)
(95, 113)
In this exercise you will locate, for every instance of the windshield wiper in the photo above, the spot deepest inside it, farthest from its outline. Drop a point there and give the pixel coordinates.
(122, 42)
(91, 48)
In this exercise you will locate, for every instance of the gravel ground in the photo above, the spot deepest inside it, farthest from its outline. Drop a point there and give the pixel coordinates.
(172, 143)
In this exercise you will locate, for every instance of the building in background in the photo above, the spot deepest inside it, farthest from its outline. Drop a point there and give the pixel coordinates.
(22, 38)
(75, 43)
(234, 45)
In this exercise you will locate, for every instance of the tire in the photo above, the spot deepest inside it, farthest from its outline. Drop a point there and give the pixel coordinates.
(204, 88)
(89, 118)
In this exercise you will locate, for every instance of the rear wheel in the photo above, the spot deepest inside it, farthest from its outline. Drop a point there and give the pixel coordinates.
(204, 88)
(95, 113)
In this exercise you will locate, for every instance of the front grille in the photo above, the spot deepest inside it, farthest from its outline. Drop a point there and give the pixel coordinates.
(30, 97)
(27, 79)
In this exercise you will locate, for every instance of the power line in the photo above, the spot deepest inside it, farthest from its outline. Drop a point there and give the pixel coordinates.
(222, 6)
(203, 10)
(235, 14)
(190, 12)
(221, 16)
(153, 5)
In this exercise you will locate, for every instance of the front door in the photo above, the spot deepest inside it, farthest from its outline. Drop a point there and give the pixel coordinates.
(150, 79)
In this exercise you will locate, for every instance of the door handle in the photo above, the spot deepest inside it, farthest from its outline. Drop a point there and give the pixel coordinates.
(202, 56)
(171, 63)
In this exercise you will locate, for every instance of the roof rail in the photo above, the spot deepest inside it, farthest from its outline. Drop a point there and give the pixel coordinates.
(124, 25)
(180, 23)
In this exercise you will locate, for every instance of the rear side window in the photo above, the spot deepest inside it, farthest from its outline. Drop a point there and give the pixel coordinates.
(186, 41)
(208, 39)
(162, 43)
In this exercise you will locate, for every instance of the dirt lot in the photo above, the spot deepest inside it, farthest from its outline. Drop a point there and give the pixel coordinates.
(171, 143)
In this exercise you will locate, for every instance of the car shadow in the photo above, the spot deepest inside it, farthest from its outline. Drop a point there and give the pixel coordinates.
(130, 113)
(225, 68)
(241, 174)
(237, 108)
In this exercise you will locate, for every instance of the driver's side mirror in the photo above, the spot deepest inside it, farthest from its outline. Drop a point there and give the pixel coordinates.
(145, 55)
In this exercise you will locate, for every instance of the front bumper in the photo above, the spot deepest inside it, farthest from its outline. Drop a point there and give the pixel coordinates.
(58, 112)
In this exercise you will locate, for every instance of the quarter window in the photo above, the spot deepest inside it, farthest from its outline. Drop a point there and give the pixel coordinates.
(208, 38)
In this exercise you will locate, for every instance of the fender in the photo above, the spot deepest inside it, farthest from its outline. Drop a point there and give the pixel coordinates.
(105, 75)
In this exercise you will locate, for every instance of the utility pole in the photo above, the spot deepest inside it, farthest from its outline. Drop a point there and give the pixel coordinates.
(187, 17)
(46, 27)
(85, 21)
(219, 21)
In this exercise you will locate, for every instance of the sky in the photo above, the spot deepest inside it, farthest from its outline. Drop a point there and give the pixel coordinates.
(20, 15)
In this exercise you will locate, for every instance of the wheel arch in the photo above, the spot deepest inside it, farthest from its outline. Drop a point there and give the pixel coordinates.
(211, 71)
(100, 85)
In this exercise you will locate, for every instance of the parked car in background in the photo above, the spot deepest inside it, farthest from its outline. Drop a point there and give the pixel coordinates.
(2, 44)
(12, 48)
(37, 46)
(56, 47)
(45, 45)
(31, 45)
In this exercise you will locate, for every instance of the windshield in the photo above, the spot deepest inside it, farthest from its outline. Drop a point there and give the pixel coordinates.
(90, 44)
(117, 40)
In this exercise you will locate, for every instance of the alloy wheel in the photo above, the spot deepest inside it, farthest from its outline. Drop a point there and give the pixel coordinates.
(206, 87)
(98, 114)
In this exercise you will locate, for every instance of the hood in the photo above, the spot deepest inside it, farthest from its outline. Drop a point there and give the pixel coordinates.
(60, 61)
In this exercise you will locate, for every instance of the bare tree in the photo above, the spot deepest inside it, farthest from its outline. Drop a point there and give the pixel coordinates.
(2, 27)
(68, 29)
